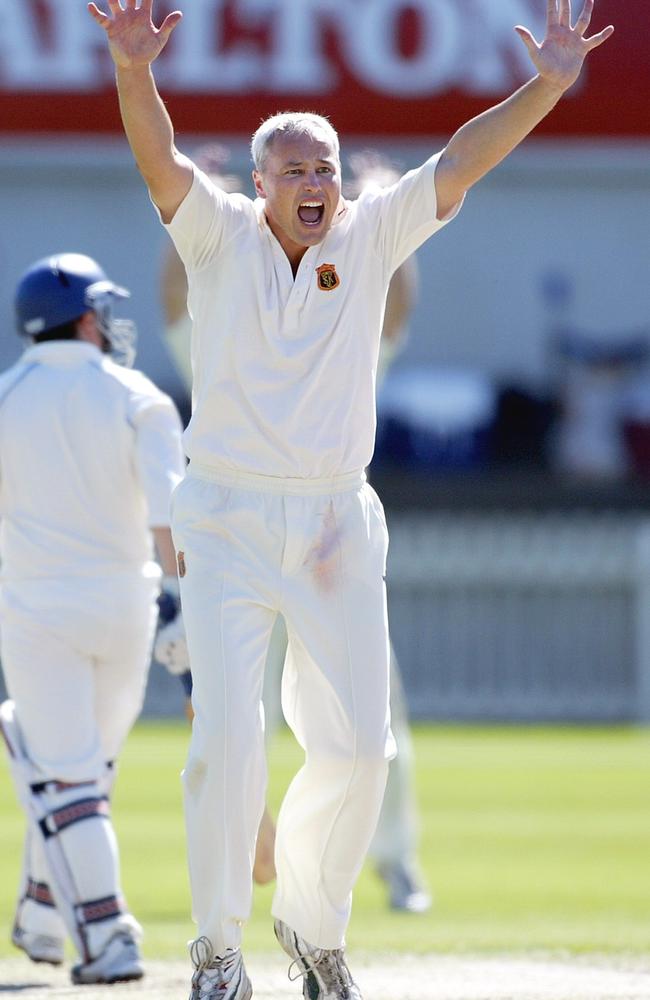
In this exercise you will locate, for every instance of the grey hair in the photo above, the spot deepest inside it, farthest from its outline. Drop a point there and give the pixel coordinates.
(290, 123)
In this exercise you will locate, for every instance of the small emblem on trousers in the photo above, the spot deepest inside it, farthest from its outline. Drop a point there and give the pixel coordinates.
(328, 279)
(181, 564)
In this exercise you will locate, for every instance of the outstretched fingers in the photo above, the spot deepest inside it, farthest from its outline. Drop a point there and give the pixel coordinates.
(99, 15)
(169, 24)
(528, 39)
(584, 20)
(601, 37)
(564, 13)
(552, 16)
(582, 25)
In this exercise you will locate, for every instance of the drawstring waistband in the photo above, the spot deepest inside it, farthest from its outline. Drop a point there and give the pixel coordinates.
(278, 484)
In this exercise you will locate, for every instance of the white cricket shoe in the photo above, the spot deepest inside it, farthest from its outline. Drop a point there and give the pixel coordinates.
(325, 973)
(119, 962)
(39, 947)
(406, 891)
(218, 978)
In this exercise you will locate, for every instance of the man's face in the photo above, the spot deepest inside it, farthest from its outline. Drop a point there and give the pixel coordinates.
(301, 184)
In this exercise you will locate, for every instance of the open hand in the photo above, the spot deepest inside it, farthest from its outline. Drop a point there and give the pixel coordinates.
(560, 56)
(133, 39)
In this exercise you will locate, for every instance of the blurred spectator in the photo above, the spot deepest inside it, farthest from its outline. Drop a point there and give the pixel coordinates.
(601, 382)
(595, 390)
(437, 419)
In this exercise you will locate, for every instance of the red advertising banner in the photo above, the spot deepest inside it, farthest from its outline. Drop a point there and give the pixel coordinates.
(387, 67)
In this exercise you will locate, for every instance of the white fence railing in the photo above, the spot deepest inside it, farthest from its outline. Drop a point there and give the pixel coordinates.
(522, 617)
(512, 617)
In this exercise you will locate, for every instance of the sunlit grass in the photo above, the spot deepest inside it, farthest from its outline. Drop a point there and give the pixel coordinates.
(532, 839)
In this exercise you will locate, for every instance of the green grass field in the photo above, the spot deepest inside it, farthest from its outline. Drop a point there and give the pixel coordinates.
(533, 839)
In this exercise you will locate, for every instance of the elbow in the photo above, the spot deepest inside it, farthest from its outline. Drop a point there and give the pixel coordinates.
(169, 186)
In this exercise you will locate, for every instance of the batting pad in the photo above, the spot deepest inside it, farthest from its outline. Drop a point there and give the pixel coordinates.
(77, 840)
(36, 911)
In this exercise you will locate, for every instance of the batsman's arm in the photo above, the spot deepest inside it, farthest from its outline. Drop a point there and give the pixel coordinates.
(165, 550)
(134, 43)
(485, 141)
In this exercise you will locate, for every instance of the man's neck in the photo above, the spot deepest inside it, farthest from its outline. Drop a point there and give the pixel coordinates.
(294, 251)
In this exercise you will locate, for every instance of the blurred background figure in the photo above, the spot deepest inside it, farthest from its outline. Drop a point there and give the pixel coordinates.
(90, 452)
(601, 383)
(394, 848)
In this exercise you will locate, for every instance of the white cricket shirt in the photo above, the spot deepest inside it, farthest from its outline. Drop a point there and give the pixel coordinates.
(89, 455)
(284, 369)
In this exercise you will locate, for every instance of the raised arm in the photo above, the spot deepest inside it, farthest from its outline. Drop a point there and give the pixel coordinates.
(486, 140)
(134, 43)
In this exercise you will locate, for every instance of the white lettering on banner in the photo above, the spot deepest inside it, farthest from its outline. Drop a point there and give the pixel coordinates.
(372, 44)
(27, 63)
(296, 61)
(503, 62)
(196, 61)
(465, 44)
(18, 44)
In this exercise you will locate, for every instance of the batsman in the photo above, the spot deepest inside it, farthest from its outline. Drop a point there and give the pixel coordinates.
(287, 295)
(90, 451)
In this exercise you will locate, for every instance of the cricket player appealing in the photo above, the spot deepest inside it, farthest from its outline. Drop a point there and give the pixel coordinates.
(394, 846)
(89, 455)
(287, 297)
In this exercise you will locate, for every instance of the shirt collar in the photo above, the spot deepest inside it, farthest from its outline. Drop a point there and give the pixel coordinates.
(63, 353)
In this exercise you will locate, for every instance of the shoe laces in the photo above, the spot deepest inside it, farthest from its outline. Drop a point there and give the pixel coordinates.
(215, 972)
(332, 968)
(201, 953)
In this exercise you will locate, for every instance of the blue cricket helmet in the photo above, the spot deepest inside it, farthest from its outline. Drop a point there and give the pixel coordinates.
(60, 289)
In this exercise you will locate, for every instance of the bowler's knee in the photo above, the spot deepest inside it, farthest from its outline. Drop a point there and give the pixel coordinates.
(194, 773)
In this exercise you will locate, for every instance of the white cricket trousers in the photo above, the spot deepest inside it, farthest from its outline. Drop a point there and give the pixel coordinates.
(75, 654)
(250, 547)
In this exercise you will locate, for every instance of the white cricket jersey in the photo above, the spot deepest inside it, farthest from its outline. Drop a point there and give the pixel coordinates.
(89, 455)
(284, 369)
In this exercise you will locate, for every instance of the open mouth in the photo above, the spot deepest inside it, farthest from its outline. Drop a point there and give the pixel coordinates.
(311, 212)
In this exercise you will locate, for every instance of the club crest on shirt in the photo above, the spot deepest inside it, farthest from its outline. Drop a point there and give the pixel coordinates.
(328, 279)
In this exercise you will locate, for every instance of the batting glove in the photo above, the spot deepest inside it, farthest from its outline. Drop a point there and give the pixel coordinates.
(170, 647)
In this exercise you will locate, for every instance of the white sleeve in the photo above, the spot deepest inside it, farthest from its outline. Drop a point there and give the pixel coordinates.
(206, 220)
(159, 456)
(405, 214)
